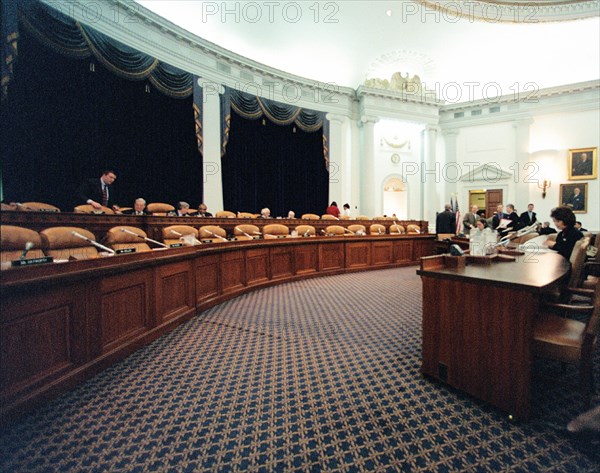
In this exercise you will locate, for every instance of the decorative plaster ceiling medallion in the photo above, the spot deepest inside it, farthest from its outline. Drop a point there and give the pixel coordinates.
(515, 11)
(405, 61)
(400, 71)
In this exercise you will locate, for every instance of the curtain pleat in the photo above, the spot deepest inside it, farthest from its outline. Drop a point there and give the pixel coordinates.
(68, 37)
(252, 108)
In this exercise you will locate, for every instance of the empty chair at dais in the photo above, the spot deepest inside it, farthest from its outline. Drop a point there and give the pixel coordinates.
(19, 243)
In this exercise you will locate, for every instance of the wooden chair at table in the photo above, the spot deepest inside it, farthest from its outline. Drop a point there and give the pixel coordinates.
(413, 229)
(577, 260)
(305, 230)
(117, 239)
(356, 228)
(275, 230)
(310, 217)
(335, 230)
(88, 209)
(328, 217)
(363, 217)
(61, 243)
(172, 234)
(245, 232)
(247, 215)
(160, 209)
(225, 214)
(13, 240)
(397, 229)
(212, 233)
(570, 341)
(591, 267)
(40, 206)
(377, 229)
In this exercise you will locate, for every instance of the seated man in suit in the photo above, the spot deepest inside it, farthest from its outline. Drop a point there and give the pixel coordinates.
(139, 208)
(546, 229)
(95, 191)
(203, 212)
(183, 210)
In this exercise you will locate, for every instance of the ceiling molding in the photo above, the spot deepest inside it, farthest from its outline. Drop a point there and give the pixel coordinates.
(514, 11)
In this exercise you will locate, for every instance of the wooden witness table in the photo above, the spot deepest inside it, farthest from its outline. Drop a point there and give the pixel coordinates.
(62, 323)
(478, 324)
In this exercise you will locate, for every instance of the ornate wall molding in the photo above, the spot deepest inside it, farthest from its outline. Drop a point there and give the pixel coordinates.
(516, 11)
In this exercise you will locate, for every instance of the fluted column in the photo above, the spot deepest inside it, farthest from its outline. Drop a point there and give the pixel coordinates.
(431, 183)
(340, 165)
(522, 128)
(212, 175)
(369, 190)
(450, 171)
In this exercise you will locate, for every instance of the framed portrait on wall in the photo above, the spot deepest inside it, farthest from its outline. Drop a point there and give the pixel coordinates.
(583, 163)
(574, 196)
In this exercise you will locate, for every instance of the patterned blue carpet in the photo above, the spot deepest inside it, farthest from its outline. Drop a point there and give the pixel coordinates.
(317, 375)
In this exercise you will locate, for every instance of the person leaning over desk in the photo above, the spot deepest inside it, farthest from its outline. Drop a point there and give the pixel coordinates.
(95, 191)
(564, 220)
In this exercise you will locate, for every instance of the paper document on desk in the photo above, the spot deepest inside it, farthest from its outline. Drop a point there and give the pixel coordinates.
(536, 244)
(504, 223)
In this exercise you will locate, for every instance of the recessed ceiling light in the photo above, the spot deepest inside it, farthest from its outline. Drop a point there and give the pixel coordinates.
(388, 12)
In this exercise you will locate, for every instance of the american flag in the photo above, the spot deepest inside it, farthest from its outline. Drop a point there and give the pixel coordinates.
(456, 210)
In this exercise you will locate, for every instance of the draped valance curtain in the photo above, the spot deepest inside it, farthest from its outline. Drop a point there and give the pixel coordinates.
(73, 39)
(69, 37)
(252, 108)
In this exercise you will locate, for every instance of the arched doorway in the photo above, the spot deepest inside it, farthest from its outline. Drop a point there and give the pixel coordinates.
(395, 198)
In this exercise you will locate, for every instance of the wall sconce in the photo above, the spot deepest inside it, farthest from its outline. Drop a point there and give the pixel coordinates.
(544, 185)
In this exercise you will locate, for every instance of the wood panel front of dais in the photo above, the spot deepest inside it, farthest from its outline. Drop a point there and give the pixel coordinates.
(126, 308)
(257, 266)
(331, 256)
(42, 336)
(382, 253)
(208, 277)
(233, 271)
(306, 259)
(174, 291)
(358, 254)
(282, 262)
(403, 251)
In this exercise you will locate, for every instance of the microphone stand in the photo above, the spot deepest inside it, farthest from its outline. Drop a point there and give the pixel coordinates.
(215, 235)
(95, 243)
(182, 237)
(144, 238)
(245, 234)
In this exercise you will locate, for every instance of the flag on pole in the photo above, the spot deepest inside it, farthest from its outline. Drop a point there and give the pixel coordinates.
(457, 212)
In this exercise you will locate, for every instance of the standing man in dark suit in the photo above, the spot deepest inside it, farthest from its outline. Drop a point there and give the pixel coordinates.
(445, 221)
(513, 217)
(95, 191)
(496, 219)
(529, 217)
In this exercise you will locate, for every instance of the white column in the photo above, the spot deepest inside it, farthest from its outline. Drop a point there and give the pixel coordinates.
(521, 198)
(340, 172)
(213, 183)
(431, 177)
(450, 172)
(369, 191)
